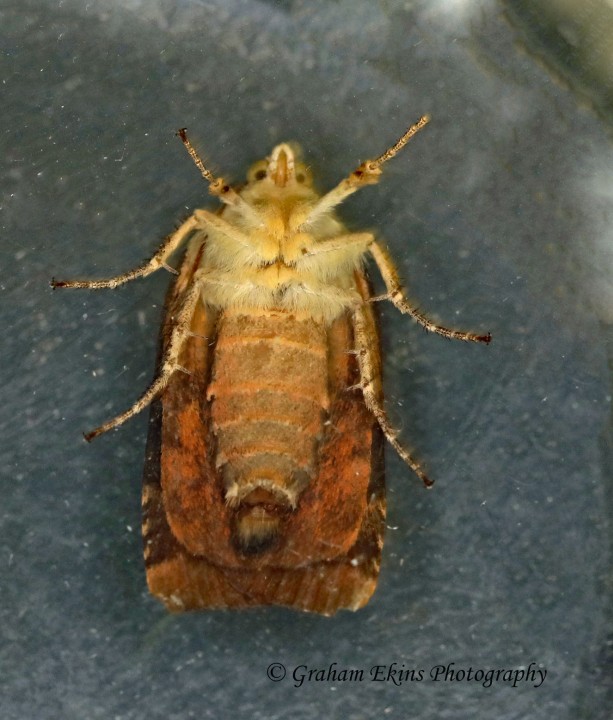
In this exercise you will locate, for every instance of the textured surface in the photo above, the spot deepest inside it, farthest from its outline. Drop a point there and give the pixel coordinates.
(495, 213)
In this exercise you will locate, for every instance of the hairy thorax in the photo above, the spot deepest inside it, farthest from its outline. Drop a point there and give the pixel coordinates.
(276, 260)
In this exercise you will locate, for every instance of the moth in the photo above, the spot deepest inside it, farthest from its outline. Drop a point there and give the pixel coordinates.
(263, 481)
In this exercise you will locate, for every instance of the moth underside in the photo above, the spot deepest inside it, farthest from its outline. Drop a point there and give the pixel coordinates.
(327, 552)
(264, 477)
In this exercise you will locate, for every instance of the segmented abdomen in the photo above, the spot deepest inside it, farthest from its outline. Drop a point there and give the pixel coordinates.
(269, 393)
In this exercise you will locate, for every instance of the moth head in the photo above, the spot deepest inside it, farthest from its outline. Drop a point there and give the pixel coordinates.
(282, 169)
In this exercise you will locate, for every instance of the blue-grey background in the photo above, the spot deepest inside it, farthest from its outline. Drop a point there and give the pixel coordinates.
(500, 216)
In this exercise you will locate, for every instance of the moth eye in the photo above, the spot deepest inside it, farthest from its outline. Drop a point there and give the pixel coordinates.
(303, 174)
(258, 171)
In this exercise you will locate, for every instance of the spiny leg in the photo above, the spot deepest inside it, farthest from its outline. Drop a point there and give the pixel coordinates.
(158, 261)
(170, 362)
(366, 342)
(395, 294)
(367, 173)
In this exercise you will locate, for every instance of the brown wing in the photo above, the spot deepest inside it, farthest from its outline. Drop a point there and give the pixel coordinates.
(329, 554)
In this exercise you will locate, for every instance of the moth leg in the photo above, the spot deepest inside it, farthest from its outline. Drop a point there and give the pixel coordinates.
(369, 364)
(396, 295)
(342, 242)
(368, 173)
(170, 361)
(158, 261)
(208, 220)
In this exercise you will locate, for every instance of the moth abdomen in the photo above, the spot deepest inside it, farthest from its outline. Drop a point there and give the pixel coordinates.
(268, 394)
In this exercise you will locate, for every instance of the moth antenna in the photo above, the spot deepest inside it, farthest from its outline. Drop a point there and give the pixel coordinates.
(397, 147)
(368, 173)
(205, 172)
(217, 185)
